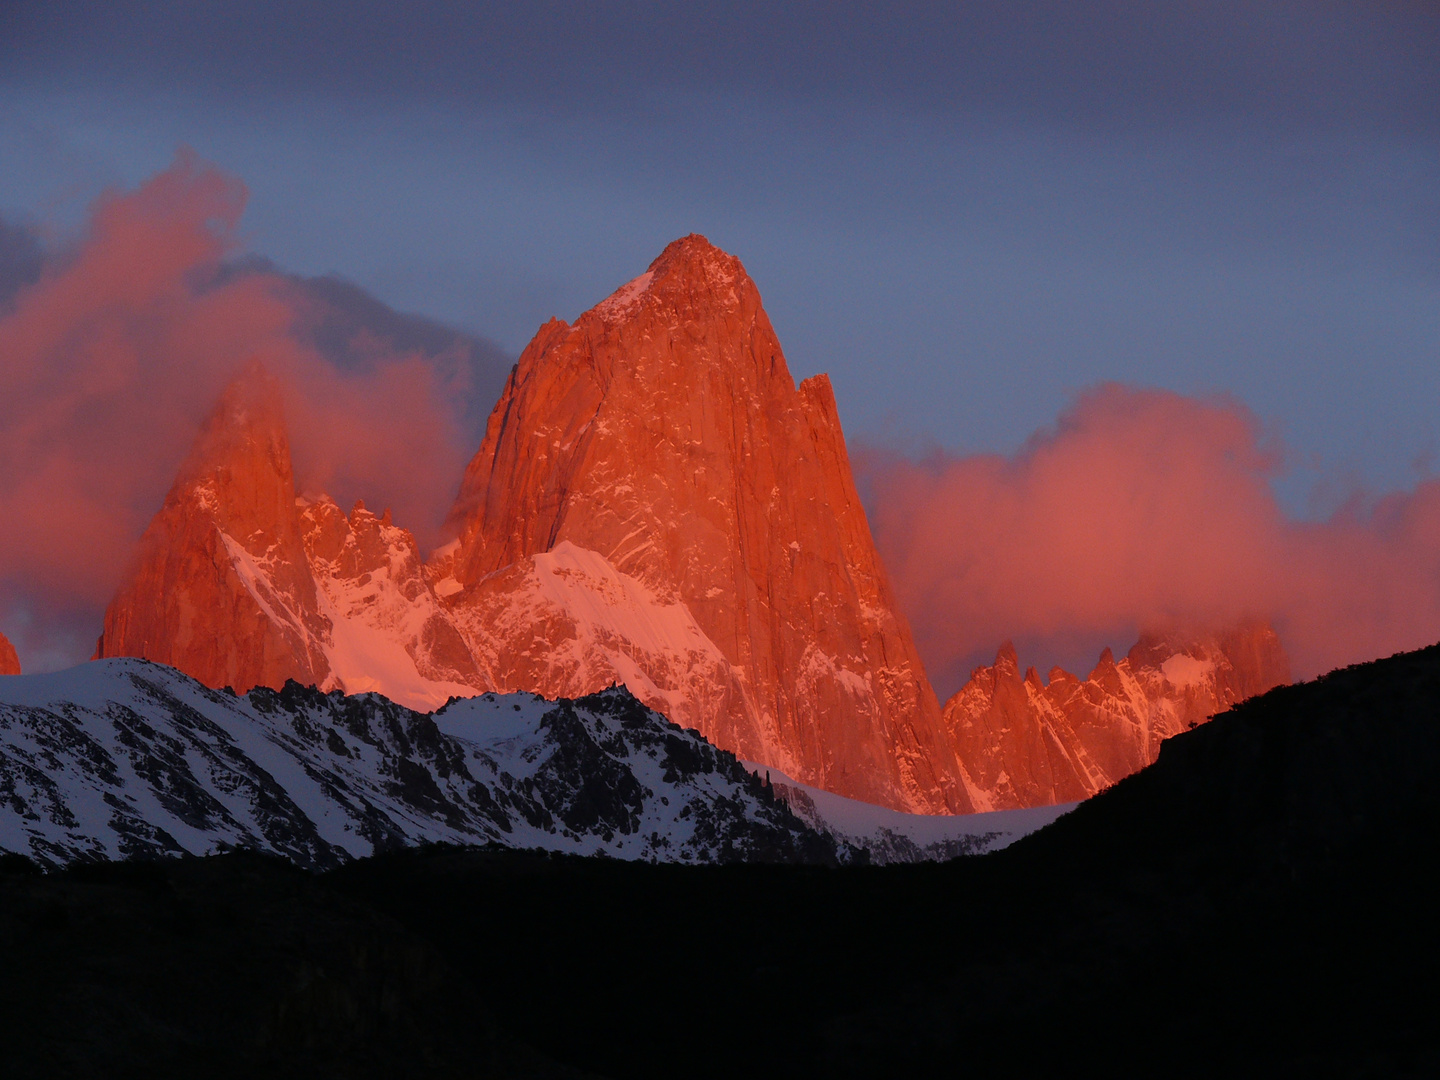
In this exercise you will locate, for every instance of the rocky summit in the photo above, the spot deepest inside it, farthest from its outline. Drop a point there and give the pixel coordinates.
(220, 587)
(655, 503)
(655, 488)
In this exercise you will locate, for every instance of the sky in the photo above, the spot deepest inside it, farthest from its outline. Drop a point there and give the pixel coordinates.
(975, 218)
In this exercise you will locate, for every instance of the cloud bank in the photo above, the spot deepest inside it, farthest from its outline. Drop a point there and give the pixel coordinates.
(1138, 508)
(118, 350)
(1144, 508)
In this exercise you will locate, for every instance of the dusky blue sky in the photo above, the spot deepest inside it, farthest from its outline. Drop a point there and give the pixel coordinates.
(964, 213)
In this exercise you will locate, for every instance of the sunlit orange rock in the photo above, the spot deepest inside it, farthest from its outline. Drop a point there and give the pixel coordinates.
(220, 587)
(655, 503)
(656, 500)
(9, 661)
(1023, 742)
(388, 630)
(239, 583)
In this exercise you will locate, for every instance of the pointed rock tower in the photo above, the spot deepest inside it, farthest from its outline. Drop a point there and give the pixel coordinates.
(9, 660)
(238, 583)
(656, 501)
(220, 587)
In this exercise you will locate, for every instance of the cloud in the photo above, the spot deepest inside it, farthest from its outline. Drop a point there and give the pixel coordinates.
(1143, 508)
(116, 352)
(21, 261)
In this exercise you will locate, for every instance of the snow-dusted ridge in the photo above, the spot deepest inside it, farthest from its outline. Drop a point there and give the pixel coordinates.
(889, 836)
(122, 757)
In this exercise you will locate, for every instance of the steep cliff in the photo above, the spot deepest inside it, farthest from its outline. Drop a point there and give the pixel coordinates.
(9, 661)
(220, 587)
(655, 495)
(238, 583)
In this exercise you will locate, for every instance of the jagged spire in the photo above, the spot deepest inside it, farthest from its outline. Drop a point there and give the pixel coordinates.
(664, 433)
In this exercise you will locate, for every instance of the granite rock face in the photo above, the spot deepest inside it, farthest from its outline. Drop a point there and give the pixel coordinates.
(220, 587)
(703, 508)
(1025, 742)
(239, 583)
(9, 661)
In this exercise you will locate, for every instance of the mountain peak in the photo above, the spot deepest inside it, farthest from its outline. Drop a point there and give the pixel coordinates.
(664, 438)
(691, 275)
(219, 587)
(9, 660)
(238, 469)
(1069, 739)
(248, 422)
(695, 259)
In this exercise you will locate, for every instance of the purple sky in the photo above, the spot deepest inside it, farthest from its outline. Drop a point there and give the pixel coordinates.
(965, 215)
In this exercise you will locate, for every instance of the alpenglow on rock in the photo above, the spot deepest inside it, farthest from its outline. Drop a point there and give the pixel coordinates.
(239, 583)
(220, 588)
(1023, 742)
(655, 500)
(655, 503)
(9, 660)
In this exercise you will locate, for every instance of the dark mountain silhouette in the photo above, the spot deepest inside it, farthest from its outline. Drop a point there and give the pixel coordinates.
(1256, 902)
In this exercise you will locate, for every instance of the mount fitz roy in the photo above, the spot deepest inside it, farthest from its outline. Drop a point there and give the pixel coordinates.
(655, 503)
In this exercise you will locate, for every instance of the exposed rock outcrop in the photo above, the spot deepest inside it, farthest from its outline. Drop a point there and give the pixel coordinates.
(9, 660)
(220, 587)
(657, 463)
(1023, 742)
(238, 583)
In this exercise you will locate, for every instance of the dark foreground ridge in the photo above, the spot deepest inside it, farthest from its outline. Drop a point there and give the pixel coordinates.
(1260, 901)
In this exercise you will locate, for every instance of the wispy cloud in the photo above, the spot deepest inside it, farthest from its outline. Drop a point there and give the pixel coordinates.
(117, 351)
(1144, 508)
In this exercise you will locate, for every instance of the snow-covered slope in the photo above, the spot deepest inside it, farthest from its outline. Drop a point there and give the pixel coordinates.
(387, 630)
(568, 621)
(123, 757)
(890, 836)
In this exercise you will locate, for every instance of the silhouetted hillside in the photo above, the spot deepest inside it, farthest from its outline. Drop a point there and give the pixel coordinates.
(1259, 901)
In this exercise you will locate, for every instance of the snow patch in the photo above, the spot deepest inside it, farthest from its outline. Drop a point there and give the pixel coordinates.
(447, 586)
(894, 836)
(625, 298)
(587, 585)
(1183, 671)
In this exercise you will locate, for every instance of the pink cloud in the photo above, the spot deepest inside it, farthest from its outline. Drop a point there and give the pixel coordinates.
(114, 357)
(1146, 508)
